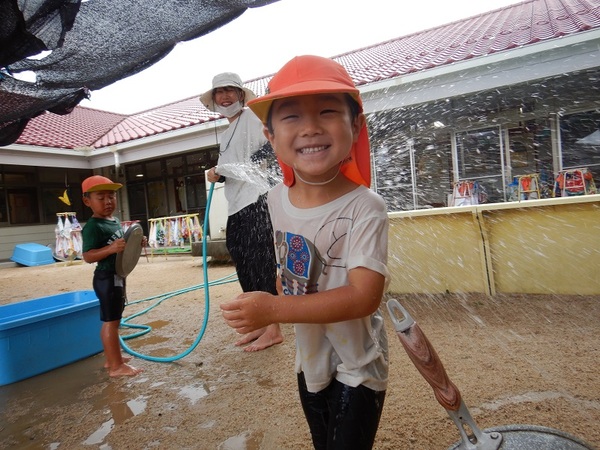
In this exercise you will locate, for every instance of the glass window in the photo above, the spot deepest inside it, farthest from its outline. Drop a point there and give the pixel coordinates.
(157, 199)
(20, 175)
(153, 169)
(529, 151)
(176, 194)
(53, 175)
(175, 166)
(136, 197)
(478, 153)
(3, 209)
(23, 206)
(392, 176)
(479, 158)
(580, 141)
(54, 200)
(135, 172)
(198, 162)
(433, 162)
(412, 159)
(195, 193)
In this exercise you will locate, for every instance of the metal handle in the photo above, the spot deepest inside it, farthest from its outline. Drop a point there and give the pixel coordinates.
(424, 357)
(428, 363)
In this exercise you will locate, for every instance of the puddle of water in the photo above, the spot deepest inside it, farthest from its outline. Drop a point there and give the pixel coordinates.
(266, 383)
(98, 436)
(209, 424)
(158, 324)
(244, 441)
(29, 406)
(137, 405)
(194, 392)
(56, 386)
(149, 339)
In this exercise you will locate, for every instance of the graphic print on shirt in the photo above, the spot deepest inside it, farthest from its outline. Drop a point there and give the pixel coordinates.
(301, 263)
(118, 234)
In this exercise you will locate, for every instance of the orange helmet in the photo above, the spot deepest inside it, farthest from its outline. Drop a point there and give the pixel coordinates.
(307, 75)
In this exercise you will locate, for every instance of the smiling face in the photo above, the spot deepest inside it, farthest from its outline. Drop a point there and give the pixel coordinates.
(313, 133)
(225, 96)
(102, 203)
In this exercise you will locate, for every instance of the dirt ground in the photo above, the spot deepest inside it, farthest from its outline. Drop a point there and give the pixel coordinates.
(526, 359)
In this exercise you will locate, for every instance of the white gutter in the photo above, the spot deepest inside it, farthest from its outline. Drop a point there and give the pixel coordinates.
(30, 155)
(162, 144)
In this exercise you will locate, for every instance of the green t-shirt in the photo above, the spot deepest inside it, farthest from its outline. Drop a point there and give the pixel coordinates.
(98, 233)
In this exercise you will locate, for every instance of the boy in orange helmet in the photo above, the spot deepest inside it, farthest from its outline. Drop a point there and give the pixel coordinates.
(331, 245)
(102, 240)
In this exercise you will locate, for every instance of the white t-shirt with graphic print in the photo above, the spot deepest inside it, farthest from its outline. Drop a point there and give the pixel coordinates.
(316, 248)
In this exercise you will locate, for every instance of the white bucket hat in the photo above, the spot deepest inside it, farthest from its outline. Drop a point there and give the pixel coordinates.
(223, 80)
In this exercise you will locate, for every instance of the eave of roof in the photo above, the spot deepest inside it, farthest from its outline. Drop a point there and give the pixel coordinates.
(500, 30)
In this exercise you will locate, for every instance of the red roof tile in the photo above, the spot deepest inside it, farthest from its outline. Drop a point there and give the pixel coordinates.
(499, 30)
(513, 26)
(165, 118)
(80, 128)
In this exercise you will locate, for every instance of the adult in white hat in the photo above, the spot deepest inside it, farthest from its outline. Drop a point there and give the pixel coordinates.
(249, 234)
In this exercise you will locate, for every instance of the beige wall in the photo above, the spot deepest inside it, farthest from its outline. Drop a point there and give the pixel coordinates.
(12, 236)
(537, 246)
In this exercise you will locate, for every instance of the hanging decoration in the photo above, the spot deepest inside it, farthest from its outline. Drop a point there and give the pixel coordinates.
(69, 242)
(65, 198)
(174, 231)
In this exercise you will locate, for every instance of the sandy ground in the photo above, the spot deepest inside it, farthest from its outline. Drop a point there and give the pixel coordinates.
(515, 359)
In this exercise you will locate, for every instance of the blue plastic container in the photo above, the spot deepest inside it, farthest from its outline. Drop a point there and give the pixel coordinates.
(45, 333)
(32, 254)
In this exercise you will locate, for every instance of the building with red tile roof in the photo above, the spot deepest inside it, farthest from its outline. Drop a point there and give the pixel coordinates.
(516, 77)
(511, 27)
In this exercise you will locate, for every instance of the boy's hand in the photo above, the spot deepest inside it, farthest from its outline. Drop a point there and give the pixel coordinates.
(144, 241)
(118, 245)
(248, 312)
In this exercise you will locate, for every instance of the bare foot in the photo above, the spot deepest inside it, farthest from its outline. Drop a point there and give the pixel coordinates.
(124, 370)
(247, 338)
(271, 336)
(125, 359)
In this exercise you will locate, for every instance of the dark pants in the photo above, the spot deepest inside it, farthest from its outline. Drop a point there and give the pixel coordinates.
(341, 417)
(249, 239)
(111, 298)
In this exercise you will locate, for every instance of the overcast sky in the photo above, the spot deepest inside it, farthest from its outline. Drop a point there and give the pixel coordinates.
(260, 41)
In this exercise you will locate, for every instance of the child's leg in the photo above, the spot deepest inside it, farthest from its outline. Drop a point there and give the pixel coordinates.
(341, 417)
(125, 359)
(112, 351)
(355, 414)
(111, 296)
(316, 411)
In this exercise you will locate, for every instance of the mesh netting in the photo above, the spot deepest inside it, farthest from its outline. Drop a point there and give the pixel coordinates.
(94, 44)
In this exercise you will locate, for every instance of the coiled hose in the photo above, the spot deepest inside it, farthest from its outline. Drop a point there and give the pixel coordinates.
(162, 297)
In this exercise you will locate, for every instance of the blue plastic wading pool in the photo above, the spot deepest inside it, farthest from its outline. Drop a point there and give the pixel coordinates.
(45, 333)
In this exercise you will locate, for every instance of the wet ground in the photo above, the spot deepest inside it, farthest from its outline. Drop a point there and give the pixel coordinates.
(515, 359)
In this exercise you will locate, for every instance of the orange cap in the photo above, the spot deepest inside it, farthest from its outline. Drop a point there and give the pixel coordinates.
(307, 75)
(99, 183)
